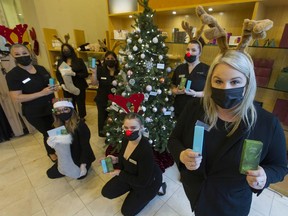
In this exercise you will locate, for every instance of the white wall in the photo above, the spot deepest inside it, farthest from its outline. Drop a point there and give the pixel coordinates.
(64, 16)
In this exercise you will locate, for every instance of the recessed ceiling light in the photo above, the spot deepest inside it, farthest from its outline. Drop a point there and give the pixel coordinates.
(20, 14)
(210, 9)
(186, 16)
(174, 12)
(221, 13)
(130, 16)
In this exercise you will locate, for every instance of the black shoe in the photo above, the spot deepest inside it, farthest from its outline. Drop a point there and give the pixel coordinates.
(163, 186)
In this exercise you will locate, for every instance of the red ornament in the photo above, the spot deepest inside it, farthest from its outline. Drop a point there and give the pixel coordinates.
(161, 80)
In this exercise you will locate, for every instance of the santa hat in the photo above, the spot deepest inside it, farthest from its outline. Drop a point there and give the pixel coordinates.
(64, 102)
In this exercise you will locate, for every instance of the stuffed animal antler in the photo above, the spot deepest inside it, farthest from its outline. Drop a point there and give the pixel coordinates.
(253, 29)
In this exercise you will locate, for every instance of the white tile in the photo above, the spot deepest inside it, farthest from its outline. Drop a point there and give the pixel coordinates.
(53, 191)
(152, 207)
(165, 210)
(6, 151)
(263, 202)
(180, 203)
(40, 213)
(172, 186)
(173, 173)
(83, 212)
(105, 207)
(254, 213)
(279, 206)
(67, 205)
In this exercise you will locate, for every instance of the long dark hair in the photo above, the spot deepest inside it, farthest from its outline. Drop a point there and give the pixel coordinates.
(73, 54)
(116, 59)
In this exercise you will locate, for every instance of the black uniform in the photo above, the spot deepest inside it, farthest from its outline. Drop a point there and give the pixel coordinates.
(198, 78)
(38, 112)
(79, 80)
(101, 99)
(140, 176)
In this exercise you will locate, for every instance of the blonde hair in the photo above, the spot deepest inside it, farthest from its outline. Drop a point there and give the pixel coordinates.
(243, 63)
(71, 125)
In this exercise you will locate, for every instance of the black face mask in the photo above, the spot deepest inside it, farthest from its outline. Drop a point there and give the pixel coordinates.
(64, 116)
(110, 63)
(131, 136)
(23, 60)
(67, 53)
(227, 98)
(190, 58)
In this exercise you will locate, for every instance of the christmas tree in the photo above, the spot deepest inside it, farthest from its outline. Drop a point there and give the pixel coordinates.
(144, 72)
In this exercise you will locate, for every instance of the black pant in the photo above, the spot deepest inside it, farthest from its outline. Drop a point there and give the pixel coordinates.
(136, 200)
(78, 101)
(43, 124)
(102, 116)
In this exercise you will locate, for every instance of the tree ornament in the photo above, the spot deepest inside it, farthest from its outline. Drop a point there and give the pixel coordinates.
(132, 82)
(147, 45)
(154, 109)
(164, 109)
(135, 48)
(107, 134)
(113, 90)
(129, 73)
(143, 108)
(129, 41)
(162, 80)
(169, 92)
(131, 57)
(160, 57)
(142, 56)
(163, 45)
(114, 83)
(148, 120)
(166, 99)
(150, 141)
(155, 40)
(159, 91)
(171, 108)
(126, 65)
(148, 88)
(123, 94)
(146, 96)
(163, 127)
(140, 40)
(168, 69)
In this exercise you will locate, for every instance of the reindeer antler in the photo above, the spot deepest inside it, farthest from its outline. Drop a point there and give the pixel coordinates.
(135, 99)
(188, 29)
(253, 29)
(19, 30)
(58, 38)
(116, 44)
(66, 37)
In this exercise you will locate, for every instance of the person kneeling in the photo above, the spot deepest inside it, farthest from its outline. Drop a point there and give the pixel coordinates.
(71, 141)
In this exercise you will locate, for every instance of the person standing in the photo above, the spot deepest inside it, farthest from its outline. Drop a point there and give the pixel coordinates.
(194, 71)
(73, 148)
(137, 173)
(29, 85)
(211, 179)
(79, 75)
(104, 77)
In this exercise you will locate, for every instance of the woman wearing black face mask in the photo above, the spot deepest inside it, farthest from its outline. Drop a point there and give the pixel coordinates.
(137, 172)
(79, 73)
(29, 85)
(212, 178)
(73, 149)
(193, 71)
(104, 77)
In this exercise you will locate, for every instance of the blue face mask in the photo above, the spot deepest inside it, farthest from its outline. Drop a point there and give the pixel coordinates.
(227, 98)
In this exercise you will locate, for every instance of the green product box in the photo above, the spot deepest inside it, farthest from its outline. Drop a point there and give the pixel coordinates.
(109, 164)
(182, 83)
(250, 156)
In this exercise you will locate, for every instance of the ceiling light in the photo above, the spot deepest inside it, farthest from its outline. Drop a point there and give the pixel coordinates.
(130, 16)
(221, 13)
(174, 12)
(210, 9)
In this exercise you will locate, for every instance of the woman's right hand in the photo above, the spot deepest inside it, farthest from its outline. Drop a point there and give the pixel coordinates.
(48, 90)
(190, 159)
(114, 159)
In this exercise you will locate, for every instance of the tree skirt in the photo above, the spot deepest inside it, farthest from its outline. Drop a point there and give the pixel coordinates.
(164, 159)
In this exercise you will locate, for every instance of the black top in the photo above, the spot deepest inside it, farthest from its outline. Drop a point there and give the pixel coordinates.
(81, 150)
(20, 79)
(79, 67)
(140, 170)
(217, 187)
(105, 85)
(198, 78)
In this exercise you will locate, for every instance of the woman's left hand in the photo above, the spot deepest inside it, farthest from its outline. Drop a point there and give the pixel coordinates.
(115, 172)
(256, 178)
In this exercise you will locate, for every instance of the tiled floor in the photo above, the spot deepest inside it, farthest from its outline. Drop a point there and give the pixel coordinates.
(25, 189)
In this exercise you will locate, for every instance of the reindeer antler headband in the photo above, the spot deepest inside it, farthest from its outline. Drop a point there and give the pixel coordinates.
(251, 29)
(134, 99)
(66, 37)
